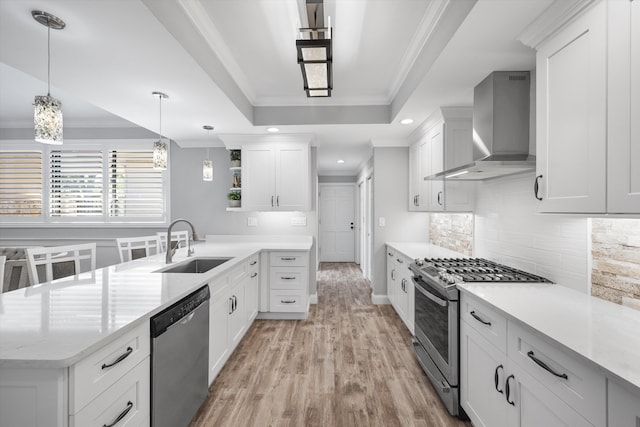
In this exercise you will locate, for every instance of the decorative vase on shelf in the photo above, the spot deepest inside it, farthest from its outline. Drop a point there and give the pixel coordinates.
(234, 203)
(235, 158)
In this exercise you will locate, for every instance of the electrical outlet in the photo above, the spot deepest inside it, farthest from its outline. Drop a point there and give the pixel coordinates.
(382, 221)
(252, 221)
(299, 220)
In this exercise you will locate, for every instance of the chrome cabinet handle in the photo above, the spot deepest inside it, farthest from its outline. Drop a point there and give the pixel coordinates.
(393, 275)
(389, 253)
(544, 366)
(231, 306)
(254, 263)
(439, 198)
(479, 319)
(287, 278)
(399, 260)
(278, 201)
(496, 378)
(271, 201)
(120, 358)
(288, 301)
(536, 187)
(507, 388)
(121, 416)
(254, 275)
(235, 302)
(287, 258)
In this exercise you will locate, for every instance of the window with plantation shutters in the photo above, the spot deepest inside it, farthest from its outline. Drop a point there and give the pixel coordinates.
(89, 182)
(20, 183)
(136, 190)
(75, 183)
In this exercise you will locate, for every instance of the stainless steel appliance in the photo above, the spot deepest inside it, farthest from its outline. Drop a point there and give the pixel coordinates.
(437, 316)
(180, 360)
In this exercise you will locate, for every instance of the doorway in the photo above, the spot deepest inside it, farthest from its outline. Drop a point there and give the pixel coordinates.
(337, 222)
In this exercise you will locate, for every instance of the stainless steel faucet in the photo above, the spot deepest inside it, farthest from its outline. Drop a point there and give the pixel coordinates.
(170, 250)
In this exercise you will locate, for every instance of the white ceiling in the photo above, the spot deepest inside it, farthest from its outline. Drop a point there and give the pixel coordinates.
(232, 64)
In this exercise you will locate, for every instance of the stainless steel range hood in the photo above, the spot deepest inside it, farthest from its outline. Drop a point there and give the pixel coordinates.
(500, 129)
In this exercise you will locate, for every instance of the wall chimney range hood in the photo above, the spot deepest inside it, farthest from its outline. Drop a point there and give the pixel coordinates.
(500, 129)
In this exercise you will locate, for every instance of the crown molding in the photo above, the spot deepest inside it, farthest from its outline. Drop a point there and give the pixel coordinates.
(551, 20)
(236, 141)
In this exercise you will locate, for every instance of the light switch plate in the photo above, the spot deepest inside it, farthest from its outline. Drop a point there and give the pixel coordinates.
(252, 221)
(299, 220)
(382, 221)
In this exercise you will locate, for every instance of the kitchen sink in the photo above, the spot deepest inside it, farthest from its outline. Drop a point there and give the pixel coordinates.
(196, 265)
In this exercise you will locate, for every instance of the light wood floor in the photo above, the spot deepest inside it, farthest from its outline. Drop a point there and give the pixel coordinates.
(350, 364)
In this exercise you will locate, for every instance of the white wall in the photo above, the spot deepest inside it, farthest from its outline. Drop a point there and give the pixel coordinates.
(509, 231)
(391, 202)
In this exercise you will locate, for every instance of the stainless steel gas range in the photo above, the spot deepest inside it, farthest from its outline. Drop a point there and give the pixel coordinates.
(437, 316)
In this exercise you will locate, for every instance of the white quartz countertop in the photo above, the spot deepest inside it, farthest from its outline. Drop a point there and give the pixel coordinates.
(424, 250)
(605, 334)
(55, 324)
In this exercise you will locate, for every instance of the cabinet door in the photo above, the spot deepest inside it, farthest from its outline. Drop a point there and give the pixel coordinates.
(258, 178)
(292, 178)
(391, 280)
(623, 185)
(252, 292)
(571, 116)
(535, 405)
(481, 364)
(415, 177)
(219, 312)
(238, 310)
(624, 406)
(436, 164)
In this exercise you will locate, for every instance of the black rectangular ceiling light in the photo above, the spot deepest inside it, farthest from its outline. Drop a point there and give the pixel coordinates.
(314, 57)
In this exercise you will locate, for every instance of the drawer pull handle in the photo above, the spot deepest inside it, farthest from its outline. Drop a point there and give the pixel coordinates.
(119, 359)
(545, 367)
(254, 275)
(121, 416)
(536, 187)
(287, 277)
(288, 258)
(400, 261)
(507, 388)
(496, 378)
(479, 319)
(288, 301)
(254, 263)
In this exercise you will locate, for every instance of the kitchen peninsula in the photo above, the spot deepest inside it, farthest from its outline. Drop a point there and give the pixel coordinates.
(57, 337)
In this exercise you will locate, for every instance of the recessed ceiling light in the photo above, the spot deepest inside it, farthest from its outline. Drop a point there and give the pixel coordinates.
(272, 130)
(406, 121)
(341, 161)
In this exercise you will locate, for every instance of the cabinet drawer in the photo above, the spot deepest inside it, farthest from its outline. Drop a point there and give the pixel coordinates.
(98, 371)
(288, 301)
(128, 398)
(484, 319)
(288, 278)
(299, 259)
(584, 388)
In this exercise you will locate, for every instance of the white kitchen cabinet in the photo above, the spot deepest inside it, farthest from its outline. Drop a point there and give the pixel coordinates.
(588, 147)
(253, 288)
(219, 311)
(446, 143)
(276, 177)
(623, 405)
(237, 312)
(289, 282)
(623, 130)
(502, 386)
(400, 289)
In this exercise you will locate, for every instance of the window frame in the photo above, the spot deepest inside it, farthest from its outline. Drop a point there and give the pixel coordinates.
(104, 220)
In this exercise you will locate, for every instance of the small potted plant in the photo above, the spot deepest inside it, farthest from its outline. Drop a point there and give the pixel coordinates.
(235, 158)
(234, 199)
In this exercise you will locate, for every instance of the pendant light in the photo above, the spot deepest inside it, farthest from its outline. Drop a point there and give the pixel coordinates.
(47, 112)
(207, 165)
(160, 150)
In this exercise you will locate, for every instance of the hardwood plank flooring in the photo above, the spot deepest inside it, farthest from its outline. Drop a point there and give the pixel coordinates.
(350, 363)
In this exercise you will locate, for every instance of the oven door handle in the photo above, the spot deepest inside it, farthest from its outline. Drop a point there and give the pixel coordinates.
(432, 297)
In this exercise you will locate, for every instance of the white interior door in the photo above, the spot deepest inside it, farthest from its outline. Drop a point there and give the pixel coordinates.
(368, 206)
(337, 222)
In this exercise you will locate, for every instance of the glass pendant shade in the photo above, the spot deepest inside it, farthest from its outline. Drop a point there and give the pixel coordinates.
(160, 155)
(47, 120)
(207, 170)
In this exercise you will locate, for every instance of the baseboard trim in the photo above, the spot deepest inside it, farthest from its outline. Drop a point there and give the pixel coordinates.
(282, 316)
(379, 299)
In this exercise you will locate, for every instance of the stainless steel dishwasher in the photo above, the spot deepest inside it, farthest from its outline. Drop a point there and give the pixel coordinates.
(180, 360)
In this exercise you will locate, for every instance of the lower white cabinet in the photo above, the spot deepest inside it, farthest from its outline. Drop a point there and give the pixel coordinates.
(624, 405)
(253, 288)
(289, 283)
(219, 309)
(237, 311)
(512, 377)
(400, 289)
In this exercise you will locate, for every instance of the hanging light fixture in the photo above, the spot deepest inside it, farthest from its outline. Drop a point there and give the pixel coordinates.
(47, 112)
(314, 53)
(160, 149)
(207, 165)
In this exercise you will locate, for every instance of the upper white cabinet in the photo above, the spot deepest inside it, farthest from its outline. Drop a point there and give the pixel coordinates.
(623, 131)
(588, 146)
(275, 177)
(445, 142)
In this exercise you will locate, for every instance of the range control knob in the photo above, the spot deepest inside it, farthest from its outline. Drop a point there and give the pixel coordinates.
(419, 262)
